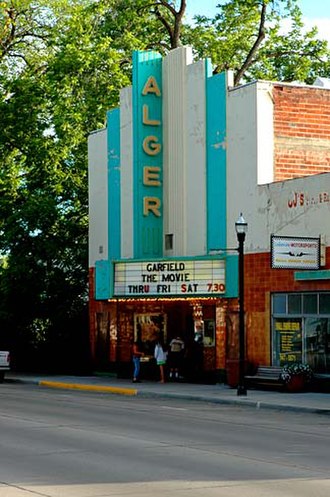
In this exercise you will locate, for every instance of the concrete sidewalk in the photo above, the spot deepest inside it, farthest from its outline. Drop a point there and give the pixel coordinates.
(221, 394)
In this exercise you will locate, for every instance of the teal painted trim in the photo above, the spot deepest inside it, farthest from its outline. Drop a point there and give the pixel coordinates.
(148, 227)
(114, 232)
(103, 277)
(216, 160)
(114, 211)
(232, 276)
(183, 258)
(208, 68)
(312, 275)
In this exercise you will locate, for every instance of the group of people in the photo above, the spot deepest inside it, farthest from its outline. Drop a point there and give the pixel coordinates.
(171, 355)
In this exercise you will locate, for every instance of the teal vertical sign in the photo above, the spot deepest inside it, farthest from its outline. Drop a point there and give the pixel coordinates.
(216, 94)
(148, 154)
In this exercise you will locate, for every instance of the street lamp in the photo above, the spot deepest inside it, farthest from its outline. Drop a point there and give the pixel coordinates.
(241, 230)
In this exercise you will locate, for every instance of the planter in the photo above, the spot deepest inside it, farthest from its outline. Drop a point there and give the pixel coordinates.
(296, 384)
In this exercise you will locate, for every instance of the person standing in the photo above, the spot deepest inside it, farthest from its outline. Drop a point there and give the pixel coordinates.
(160, 356)
(137, 354)
(176, 356)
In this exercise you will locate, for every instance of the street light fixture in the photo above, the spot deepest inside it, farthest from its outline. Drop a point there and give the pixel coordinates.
(241, 230)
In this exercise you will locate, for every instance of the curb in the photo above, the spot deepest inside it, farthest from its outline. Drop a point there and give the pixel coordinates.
(246, 402)
(93, 388)
(254, 404)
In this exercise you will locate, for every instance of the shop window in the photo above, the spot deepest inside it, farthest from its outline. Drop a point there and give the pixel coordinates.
(324, 303)
(148, 328)
(279, 303)
(294, 304)
(209, 333)
(287, 340)
(317, 335)
(305, 336)
(310, 303)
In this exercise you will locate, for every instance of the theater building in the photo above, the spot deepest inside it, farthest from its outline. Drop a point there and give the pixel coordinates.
(183, 154)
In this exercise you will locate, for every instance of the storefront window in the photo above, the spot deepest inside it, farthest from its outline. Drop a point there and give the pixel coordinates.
(304, 337)
(324, 303)
(317, 342)
(310, 303)
(294, 304)
(288, 340)
(279, 304)
(148, 328)
(209, 333)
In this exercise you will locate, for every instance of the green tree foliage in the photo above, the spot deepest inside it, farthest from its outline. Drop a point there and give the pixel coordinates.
(260, 40)
(62, 65)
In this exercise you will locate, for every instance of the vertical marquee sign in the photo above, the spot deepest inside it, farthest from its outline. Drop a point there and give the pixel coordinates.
(148, 154)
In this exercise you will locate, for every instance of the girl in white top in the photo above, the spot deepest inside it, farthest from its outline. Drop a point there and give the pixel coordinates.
(160, 356)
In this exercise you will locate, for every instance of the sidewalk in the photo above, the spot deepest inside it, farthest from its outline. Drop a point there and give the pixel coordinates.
(221, 394)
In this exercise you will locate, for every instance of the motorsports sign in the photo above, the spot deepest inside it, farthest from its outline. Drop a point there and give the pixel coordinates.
(169, 278)
(295, 253)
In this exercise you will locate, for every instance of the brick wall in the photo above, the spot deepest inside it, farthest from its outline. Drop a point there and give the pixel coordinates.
(301, 131)
(259, 278)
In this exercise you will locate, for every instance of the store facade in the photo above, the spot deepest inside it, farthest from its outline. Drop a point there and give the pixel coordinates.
(181, 157)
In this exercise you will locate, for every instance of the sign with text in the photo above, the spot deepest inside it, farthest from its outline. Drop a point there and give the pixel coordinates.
(170, 278)
(295, 253)
(288, 340)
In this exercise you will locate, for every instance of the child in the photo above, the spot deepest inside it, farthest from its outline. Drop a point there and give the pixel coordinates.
(160, 356)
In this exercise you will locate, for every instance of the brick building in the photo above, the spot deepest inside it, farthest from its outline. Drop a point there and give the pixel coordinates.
(181, 157)
(301, 131)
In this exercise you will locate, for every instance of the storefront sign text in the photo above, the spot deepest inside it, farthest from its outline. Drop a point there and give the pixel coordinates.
(295, 253)
(304, 199)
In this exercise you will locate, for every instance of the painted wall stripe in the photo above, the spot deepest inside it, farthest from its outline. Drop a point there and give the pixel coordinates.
(113, 127)
(147, 122)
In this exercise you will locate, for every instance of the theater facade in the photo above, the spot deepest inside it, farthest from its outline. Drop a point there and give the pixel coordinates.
(179, 159)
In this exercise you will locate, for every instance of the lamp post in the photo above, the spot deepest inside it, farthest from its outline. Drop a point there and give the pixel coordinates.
(241, 230)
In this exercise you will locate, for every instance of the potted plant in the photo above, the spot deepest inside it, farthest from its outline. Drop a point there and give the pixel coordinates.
(296, 376)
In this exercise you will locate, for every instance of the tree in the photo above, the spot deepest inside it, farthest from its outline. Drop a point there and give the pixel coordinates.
(57, 80)
(43, 186)
(248, 37)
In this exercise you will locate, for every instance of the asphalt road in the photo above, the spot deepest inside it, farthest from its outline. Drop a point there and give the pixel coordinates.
(70, 444)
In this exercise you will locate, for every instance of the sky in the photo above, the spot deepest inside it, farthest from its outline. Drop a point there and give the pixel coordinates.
(315, 12)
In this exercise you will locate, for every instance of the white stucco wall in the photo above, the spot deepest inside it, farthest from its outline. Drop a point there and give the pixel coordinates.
(242, 155)
(265, 133)
(184, 119)
(126, 173)
(98, 196)
(175, 152)
(195, 168)
(309, 216)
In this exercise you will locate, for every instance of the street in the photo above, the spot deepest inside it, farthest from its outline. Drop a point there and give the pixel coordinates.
(69, 444)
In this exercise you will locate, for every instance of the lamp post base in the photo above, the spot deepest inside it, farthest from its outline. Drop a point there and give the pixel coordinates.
(241, 390)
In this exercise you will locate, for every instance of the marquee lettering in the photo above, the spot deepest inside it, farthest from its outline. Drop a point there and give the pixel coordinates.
(203, 277)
